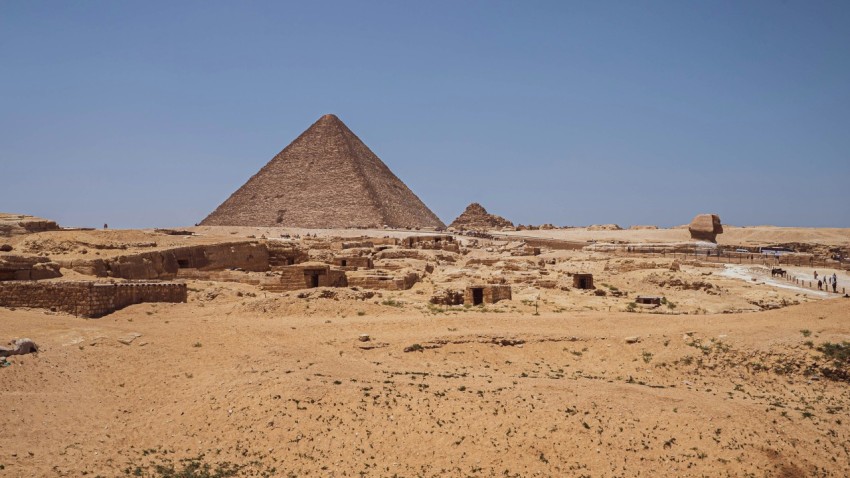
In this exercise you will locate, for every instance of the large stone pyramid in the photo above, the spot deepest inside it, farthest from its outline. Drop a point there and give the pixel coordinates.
(326, 178)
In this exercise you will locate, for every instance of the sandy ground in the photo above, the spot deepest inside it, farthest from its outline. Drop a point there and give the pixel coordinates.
(563, 395)
(714, 383)
(732, 235)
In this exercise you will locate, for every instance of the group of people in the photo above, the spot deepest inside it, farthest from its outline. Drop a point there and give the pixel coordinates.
(826, 281)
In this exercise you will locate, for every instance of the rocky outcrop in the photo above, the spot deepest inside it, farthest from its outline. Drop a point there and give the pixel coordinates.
(604, 227)
(705, 227)
(17, 224)
(15, 267)
(164, 264)
(19, 347)
(475, 217)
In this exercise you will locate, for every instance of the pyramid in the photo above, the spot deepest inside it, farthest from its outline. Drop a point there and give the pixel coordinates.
(327, 179)
(477, 218)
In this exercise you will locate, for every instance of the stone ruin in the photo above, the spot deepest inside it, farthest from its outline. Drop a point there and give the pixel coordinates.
(705, 227)
(478, 294)
(19, 267)
(327, 178)
(476, 218)
(583, 281)
(87, 298)
(17, 224)
(439, 241)
(308, 275)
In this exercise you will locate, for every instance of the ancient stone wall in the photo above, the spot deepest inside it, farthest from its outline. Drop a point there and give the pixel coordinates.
(164, 264)
(583, 281)
(249, 256)
(87, 299)
(555, 244)
(303, 276)
(15, 267)
(381, 280)
(353, 262)
(447, 297)
(446, 243)
(285, 254)
(252, 278)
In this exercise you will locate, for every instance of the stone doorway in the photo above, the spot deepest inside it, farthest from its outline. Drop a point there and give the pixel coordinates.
(477, 296)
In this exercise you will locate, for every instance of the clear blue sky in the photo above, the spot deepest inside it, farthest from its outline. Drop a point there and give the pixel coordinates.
(142, 114)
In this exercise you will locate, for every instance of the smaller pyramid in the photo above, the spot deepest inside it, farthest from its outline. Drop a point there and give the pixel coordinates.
(325, 179)
(475, 217)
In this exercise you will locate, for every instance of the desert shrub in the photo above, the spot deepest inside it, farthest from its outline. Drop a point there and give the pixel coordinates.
(838, 353)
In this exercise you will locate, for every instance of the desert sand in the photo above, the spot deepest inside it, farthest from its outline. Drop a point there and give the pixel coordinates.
(729, 380)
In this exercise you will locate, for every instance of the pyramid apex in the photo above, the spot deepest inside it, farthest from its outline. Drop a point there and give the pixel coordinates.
(329, 116)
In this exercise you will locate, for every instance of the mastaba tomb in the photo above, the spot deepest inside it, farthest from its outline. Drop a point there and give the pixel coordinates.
(327, 178)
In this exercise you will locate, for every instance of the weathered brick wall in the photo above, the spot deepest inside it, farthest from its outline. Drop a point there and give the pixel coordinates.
(87, 299)
(70, 297)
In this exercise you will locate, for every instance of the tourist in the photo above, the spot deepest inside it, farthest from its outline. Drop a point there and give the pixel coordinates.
(834, 283)
(819, 285)
(816, 275)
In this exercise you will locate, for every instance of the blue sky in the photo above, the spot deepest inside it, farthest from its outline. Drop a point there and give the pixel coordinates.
(143, 114)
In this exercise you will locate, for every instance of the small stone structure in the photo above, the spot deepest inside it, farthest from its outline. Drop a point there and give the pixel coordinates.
(382, 280)
(486, 294)
(353, 262)
(305, 276)
(583, 281)
(436, 241)
(705, 227)
(648, 300)
(285, 254)
(87, 298)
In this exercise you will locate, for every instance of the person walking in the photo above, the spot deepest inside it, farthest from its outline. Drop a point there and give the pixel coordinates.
(820, 285)
(816, 275)
(834, 283)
